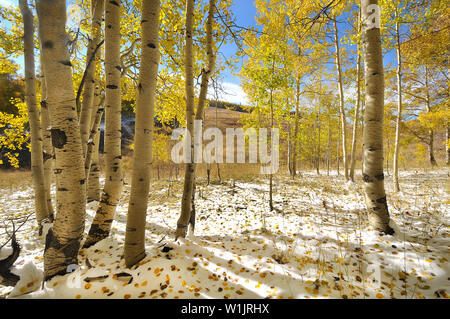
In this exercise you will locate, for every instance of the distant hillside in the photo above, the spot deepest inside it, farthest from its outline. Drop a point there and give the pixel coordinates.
(229, 106)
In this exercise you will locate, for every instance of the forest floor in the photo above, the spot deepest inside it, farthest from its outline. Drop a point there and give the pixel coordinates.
(315, 244)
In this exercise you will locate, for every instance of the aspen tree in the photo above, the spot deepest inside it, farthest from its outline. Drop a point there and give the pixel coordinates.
(358, 102)
(143, 138)
(430, 131)
(97, 7)
(399, 105)
(104, 217)
(341, 100)
(186, 217)
(93, 188)
(373, 177)
(37, 164)
(47, 146)
(63, 239)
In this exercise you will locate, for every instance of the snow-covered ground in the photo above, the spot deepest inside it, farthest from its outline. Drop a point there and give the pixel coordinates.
(316, 244)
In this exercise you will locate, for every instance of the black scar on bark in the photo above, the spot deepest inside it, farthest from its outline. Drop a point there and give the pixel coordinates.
(82, 181)
(69, 250)
(97, 233)
(48, 44)
(59, 138)
(114, 3)
(382, 200)
(118, 67)
(366, 178)
(380, 177)
(151, 45)
(66, 63)
(46, 156)
(111, 86)
(62, 189)
(143, 21)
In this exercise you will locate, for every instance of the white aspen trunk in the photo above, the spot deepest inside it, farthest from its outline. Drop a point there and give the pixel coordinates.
(296, 142)
(318, 142)
(430, 131)
(358, 102)
(341, 101)
(338, 149)
(92, 55)
(289, 150)
(217, 163)
(183, 220)
(92, 144)
(271, 126)
(93, 189)
(329, 142)
(399, 108)
(271, 175)
(63, 239)
(187, 204)
(373, 177)
(37, 163)
(49, 153)
(143, 138)
(101, 225)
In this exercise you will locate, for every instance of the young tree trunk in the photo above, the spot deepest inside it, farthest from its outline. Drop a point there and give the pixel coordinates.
(93, 188)
(373, 177)
(37, 164)
(63, 239)
(92, 55)
(399, 109)
(358, 102)
(101, 225)
(430, 149)
(341, 101)
(430, 131)
(183, 220)
(338, 149)
(297, 107)
(318, 143)
(271, 125)
(143, 138)
(329, 142)
(92, 144)
(49, 153)
(189, 178)
(217, 162)
(289, 149)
